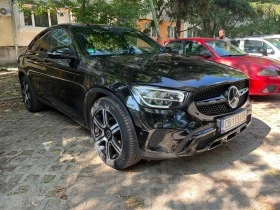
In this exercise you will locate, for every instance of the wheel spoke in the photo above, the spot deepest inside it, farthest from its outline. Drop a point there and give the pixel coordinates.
(100, 137)
(115, 128)
(26, 87)
(105, 117)
(26, 100)
(108, 156)
(98, 124)
(116, 147)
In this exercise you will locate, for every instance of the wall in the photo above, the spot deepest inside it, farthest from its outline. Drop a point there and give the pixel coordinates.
(6, 27)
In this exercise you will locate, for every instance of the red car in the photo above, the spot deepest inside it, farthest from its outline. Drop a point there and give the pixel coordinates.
(264, 73)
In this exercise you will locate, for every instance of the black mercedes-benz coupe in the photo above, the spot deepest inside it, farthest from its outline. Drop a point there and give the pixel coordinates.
(138, 100)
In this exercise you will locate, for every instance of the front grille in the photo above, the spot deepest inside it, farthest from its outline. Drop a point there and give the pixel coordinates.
(221, 108)
(218, 90)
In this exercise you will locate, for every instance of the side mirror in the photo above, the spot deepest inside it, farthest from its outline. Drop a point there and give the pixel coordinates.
(63, 53)
(205, 54)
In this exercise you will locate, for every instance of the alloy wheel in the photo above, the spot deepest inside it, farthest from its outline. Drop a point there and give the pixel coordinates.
(26, 94)
(107, 134)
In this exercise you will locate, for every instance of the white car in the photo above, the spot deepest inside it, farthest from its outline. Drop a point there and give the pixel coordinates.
(259, 46)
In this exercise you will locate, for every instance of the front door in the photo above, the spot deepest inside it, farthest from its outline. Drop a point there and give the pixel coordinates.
(65, 77)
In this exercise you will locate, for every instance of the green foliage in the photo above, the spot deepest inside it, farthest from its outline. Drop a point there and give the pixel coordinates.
(116, 12)
(237, 17)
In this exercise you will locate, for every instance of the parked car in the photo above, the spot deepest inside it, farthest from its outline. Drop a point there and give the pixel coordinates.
(259, 46)
(138, 101)
(264, 73)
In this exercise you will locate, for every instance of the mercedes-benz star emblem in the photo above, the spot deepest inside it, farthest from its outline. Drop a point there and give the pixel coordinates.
(232, 97)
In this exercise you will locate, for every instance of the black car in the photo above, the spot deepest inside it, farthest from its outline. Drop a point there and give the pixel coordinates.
(138, 101)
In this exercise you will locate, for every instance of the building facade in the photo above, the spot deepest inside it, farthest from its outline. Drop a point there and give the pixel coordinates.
(17, 29)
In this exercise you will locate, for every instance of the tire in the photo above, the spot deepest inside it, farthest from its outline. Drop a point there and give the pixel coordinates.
(29, 98)
(114, 137)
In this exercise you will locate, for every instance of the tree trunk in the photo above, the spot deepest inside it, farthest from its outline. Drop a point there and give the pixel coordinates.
(180, 4)
(206, 27)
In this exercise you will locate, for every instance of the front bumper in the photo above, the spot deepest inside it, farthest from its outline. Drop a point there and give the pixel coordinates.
(193, 134)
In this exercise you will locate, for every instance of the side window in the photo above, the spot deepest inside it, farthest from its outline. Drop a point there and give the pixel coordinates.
(235, 42)
(194, 48)
(40, 43)
(175, 46)
(60, 40)
(252, 46)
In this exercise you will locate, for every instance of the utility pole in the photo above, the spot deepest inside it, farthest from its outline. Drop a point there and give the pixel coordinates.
(11, 4)
(155, 19)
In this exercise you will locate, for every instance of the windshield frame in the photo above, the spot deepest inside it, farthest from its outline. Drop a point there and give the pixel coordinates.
(240, 52)
(113, 33)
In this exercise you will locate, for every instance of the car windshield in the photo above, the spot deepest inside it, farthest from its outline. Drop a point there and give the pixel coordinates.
(274, 42)
(223, 48)
(100, 41)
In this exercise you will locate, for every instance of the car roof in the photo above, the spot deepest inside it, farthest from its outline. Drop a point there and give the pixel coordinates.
(94, 26)
(249, 38)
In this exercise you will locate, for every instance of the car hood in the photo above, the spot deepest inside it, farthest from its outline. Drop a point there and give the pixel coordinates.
(263, 62)
(167, 70)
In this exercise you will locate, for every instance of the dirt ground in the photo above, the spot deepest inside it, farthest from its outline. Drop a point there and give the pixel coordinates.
(47, 162)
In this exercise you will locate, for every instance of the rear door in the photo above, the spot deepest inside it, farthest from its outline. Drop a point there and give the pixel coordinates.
(34, 63)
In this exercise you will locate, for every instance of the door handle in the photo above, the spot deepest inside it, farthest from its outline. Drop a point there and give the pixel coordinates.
(46, 60)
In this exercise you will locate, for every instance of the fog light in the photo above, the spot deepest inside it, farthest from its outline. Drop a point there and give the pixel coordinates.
(269, 89)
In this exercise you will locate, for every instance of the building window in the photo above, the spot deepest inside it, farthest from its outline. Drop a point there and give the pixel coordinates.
(28, 18)
(171, 31)
(45, 19)
(53, 16)
(41, 20)
(149, 30)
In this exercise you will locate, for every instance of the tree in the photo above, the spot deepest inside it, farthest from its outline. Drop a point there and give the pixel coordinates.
(218, 14)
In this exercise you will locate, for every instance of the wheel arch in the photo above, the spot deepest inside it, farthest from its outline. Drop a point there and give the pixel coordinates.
(96, 93)
(21, 74)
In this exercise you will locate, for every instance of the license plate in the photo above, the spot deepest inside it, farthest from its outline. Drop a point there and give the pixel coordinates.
(227, 123)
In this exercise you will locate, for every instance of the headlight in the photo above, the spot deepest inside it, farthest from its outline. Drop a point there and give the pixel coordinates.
(158, 97)
(268, 72)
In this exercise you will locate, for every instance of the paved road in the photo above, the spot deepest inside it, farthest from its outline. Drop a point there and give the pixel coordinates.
(47, 162)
